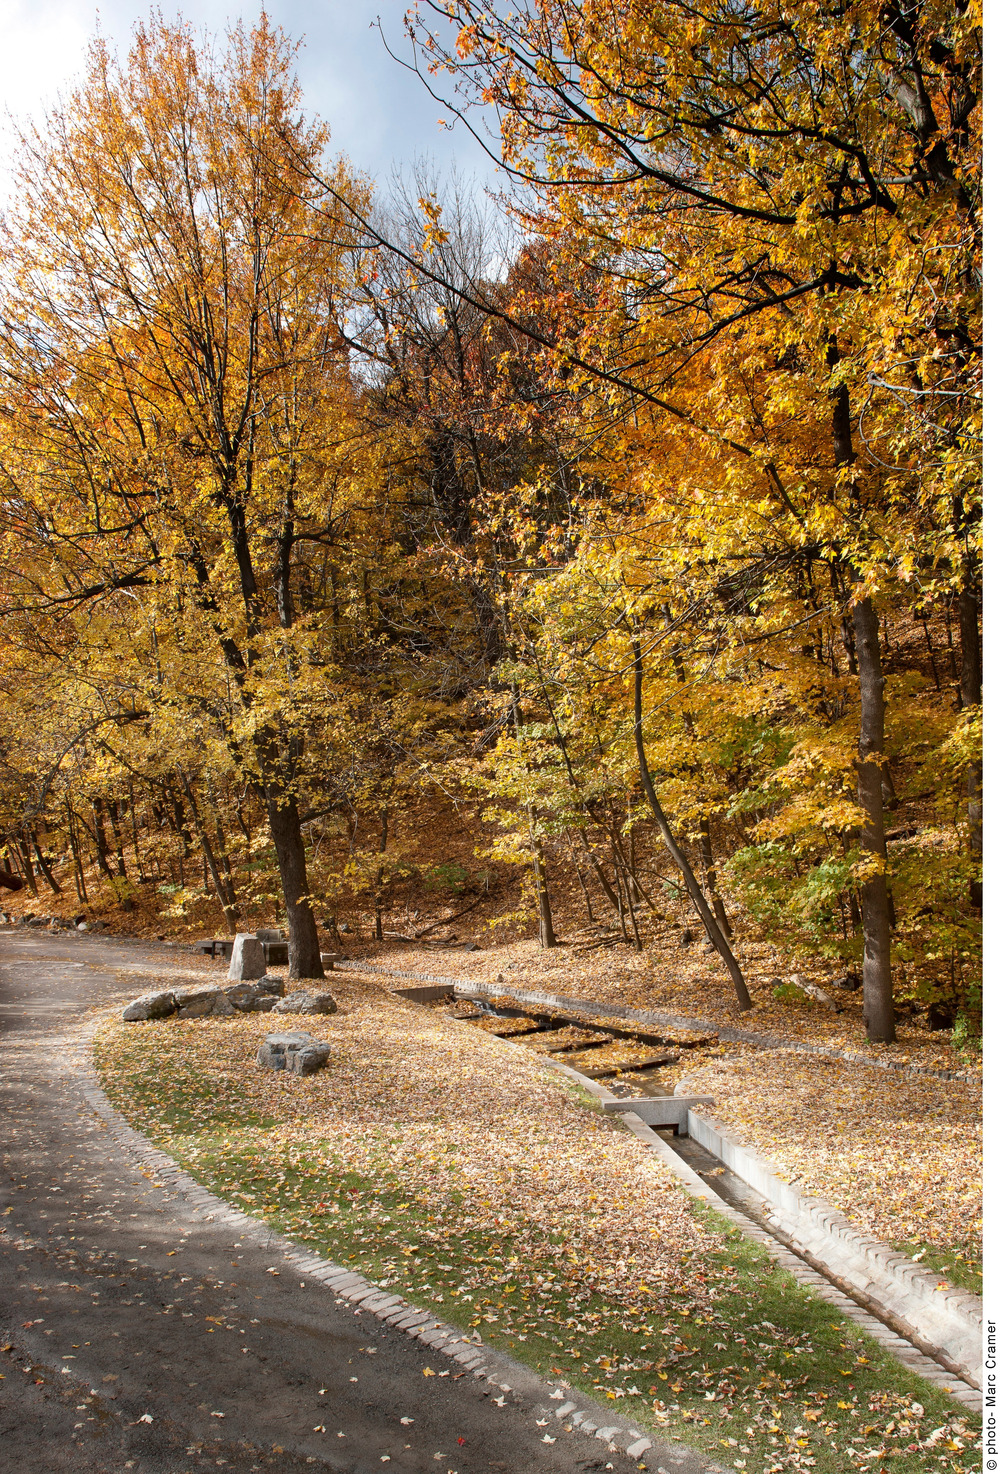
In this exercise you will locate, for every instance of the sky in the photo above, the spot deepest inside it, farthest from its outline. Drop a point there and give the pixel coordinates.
(380, 115)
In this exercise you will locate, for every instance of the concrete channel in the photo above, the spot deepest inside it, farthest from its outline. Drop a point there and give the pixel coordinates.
(933, 1332)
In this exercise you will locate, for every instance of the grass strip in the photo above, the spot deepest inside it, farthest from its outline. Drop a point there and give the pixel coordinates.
(737, 1359)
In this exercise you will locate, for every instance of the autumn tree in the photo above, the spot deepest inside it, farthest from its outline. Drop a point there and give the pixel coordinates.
(790, 192)
(178, 392)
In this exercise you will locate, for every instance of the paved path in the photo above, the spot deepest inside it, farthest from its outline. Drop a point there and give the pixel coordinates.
(137, 1336)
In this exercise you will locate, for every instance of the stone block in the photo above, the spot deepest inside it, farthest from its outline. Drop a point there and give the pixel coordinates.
(149, 1006)
(258, 996)
(655, 1110)
(282, 1051)
(308, 1060)
(303, 1002)
(203, 1002)
(248, 958)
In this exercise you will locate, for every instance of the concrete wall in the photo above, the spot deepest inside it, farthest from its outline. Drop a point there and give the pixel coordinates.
(949, 1319)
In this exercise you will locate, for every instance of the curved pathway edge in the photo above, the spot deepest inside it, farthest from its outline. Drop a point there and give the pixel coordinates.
(485, 1363)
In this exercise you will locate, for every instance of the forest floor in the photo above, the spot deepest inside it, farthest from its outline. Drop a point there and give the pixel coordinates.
(845, 1129)
(899, 1153)
(458, 1171)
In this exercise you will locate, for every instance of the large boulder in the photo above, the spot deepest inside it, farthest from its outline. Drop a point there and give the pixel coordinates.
(247, 961)
(296, 1052)
(202, 1003)
(309, 1059)
(303, 1002)
(258, 996)
(149, 1006)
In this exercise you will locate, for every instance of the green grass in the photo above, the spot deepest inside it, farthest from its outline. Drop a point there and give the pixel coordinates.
(756, 1372)
(963, 1268)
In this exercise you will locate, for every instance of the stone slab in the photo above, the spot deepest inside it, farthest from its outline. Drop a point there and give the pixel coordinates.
(297, 1052)
(248, 960)
(668, 1110)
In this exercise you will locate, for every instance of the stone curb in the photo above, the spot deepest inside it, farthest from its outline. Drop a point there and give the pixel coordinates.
(909, 1355)
(669, 1020)
(951, 1321)
(487, 1364)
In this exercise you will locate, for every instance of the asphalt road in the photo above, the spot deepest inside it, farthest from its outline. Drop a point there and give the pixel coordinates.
(137, 1336)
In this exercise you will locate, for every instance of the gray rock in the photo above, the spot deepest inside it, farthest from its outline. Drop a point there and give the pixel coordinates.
(248, 958)
(308, 1060)
(149, 1006)
(281, 1052)
(850, 982)
(256, 997)
(202, 1003)
(306, 1003)
(269, 934)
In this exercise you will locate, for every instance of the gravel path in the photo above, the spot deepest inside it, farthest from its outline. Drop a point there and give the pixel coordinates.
(112, 1283)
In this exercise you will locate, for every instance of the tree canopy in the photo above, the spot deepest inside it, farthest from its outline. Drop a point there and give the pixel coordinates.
(659, 547)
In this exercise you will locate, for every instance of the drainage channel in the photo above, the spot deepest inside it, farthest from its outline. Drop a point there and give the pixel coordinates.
(752, 1205)
(634, 1059)
(599, 1050)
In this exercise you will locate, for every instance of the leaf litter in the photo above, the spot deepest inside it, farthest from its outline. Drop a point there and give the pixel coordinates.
(461, 1172)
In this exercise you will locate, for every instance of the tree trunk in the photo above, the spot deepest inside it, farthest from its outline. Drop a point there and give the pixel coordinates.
(81, 884)
(708, 860)
(114, 813)
(221, 890)
(303, 940)
(971, 692)
(583, 887)
(546, 930)
(879, 1014)
(605, 884)
(29, 870)
(382, 842)
(876, 906)
(45, 867)
(101, 839)
(713, 930)
(135, 834)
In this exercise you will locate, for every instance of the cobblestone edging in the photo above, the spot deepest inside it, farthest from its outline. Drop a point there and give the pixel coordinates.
(902, 1349)
(949, 1320)
(670, 1020)
(574, 1410)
